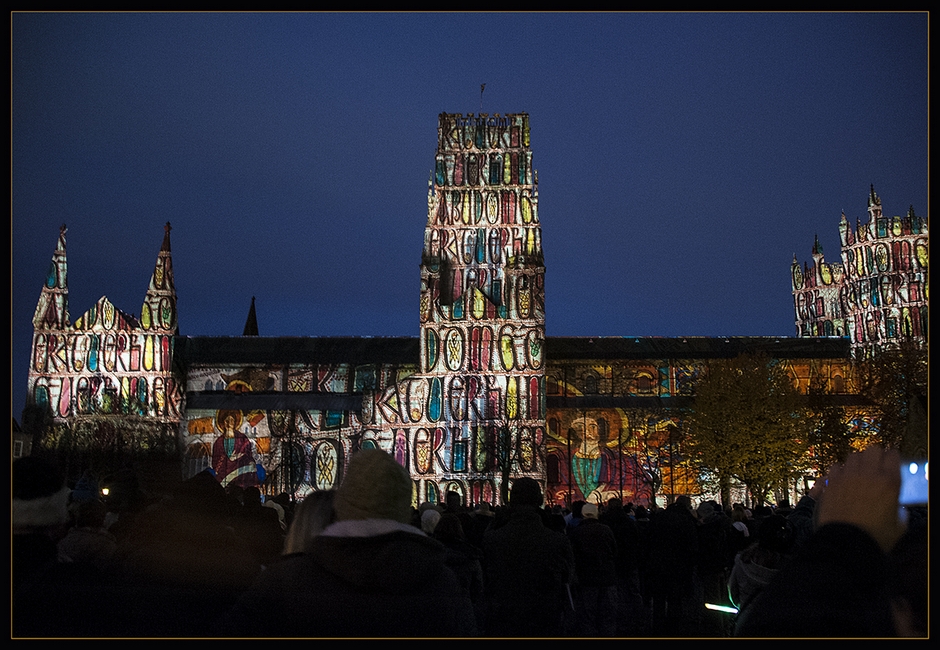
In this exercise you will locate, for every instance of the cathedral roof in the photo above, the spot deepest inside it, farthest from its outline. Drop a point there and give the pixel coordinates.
(264, 350)
(559, 349)
(216, 350)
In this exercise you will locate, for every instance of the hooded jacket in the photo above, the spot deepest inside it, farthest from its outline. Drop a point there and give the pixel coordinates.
(361, 578)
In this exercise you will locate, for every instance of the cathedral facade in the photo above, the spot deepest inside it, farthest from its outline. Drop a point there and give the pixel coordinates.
(481, 396)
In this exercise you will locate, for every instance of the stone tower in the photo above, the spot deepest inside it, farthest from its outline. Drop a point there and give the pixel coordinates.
(483, 298)
(473, 416)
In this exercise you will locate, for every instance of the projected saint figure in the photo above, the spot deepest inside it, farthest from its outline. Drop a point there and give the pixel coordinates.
(589, 463)
(232, 453)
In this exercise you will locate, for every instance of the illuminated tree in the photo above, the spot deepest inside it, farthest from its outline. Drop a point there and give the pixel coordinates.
(830, 437)
(747, 424)
(892, 380)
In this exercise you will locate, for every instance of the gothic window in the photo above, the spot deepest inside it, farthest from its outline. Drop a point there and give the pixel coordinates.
(892, 328)
(838, 384)
(551, 385)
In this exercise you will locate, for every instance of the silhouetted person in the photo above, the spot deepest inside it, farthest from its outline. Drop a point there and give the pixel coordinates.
(182, 565)
(465, 560)
(595, 560)
(629, 555)
(673, 551)
(715, 558)
(756, 566)
(259, 527)
(528, 567)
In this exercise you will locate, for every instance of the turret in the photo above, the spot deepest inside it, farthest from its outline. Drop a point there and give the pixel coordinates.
(52, 311)
(158, 313)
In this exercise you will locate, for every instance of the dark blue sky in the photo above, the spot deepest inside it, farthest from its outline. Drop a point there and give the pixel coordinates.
(683, 159)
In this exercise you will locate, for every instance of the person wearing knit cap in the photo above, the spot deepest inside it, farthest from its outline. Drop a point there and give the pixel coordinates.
(589, 511)
(369, 574)
(429, 521)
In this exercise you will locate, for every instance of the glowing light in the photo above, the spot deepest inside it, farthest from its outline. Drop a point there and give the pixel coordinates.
(721, 608)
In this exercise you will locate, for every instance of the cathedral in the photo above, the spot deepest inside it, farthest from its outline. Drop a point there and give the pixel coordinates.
(480, 396)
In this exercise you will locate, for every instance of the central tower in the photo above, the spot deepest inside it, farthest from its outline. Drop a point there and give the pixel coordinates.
(482, 307)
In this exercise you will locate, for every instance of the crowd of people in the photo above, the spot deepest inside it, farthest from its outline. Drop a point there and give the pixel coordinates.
(360, 561)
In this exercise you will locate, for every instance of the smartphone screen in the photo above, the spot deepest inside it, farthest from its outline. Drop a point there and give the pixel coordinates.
(914, 483)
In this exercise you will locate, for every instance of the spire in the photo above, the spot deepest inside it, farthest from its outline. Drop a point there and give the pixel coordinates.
(874, 207)
(166, 238)
(817, 247)
(159, 309)
(52, 311)
(251, 324)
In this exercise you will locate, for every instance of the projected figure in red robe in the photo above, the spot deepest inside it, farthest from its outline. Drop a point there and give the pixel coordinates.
(232, 453)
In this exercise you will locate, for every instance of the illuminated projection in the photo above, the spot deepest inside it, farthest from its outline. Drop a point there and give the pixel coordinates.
(605, 436)
(108, 363)
(475, 412)
(234, 443)
(877, 295)
(592, 455)
(285, 427)
(480, 397)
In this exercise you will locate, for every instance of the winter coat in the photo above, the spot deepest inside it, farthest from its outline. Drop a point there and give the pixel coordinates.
(835, 586)
(595, 554)
(527, 569)
(753, 570)
(368, 578)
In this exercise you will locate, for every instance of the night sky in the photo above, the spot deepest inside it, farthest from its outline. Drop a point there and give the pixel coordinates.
(683, 159)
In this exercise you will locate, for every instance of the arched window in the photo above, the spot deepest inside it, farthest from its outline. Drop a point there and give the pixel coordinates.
(644, 383)
(590, 384)
(838, 384)
(551, 385)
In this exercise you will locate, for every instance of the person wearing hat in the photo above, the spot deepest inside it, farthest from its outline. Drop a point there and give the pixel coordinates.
(595, 561)
(369, 574)
(528, 568)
